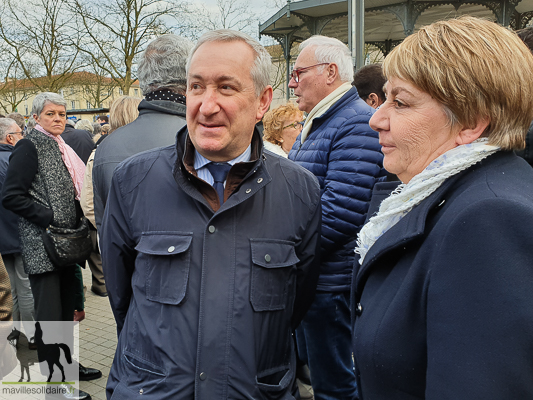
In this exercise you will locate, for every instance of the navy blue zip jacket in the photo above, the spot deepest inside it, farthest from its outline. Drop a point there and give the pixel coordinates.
(9, 231)
(344, 154)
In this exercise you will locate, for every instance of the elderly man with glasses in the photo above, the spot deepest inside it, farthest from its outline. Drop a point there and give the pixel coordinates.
(338, 146)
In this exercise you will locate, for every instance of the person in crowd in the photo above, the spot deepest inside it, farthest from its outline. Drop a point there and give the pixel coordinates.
(102, 120)
(97, 131)
(442, 299)
(6, 302)
(369, 82)
(80, 140)
(30, 124)
(161, 74)
(122, 112)
(86, 125)
(526, 35)
(206, 296)
(106, 128)
(19, 119)
(281, 127)
(42, 185)
(337, 145)
(10, 134)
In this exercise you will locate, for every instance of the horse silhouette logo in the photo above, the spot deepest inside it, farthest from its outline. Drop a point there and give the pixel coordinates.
(51, 352)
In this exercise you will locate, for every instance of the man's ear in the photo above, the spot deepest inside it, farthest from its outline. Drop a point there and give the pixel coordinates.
(10, 139)
(468, 135)
(264, 102)
(332, 72)
(373, 100)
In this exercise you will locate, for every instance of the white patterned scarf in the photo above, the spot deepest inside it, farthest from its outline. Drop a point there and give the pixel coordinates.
(406, 196)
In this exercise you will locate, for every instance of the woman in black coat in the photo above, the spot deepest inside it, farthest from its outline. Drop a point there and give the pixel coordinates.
(442, 299)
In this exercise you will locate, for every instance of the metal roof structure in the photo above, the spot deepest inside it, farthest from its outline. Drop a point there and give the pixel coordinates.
(386, 22)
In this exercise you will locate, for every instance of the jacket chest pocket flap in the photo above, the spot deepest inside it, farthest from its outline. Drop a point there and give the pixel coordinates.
(166, 257)
(273, 261)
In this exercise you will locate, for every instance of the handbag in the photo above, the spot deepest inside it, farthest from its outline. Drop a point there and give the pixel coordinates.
(68, 246)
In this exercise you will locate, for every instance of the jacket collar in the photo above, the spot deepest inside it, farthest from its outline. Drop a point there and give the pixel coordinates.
(162, 106)
(186, 176)
(6, 147)
(408, 229)
(350, 96)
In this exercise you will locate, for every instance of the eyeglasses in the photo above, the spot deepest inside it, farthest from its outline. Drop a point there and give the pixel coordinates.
(21, 133)
(295, 125)
(295, 74)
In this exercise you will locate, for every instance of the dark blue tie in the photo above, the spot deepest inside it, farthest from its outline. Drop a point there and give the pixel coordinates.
(219, 171)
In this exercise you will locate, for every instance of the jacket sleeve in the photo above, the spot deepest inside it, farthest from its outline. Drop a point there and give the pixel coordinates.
(480, 305)
(118, 253)
(86, 197)
(355, 164)
(23, 166)
(308, 253)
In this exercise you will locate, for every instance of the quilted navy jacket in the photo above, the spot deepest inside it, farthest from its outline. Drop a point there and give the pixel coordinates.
(344, 154)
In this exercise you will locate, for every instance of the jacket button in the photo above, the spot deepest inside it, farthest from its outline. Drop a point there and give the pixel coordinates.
(141, 391)
(267, 258)
(358, 309)
(203, 375)
(212, 229)
(171, 249)
(260, 180)
(248, 191)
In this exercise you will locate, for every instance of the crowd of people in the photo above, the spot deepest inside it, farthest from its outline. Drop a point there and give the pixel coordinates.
(369, 241)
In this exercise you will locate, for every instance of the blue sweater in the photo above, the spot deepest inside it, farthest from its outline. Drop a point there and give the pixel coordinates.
(344, 154)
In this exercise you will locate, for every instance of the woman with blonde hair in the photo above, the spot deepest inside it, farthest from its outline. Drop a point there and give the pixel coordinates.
(282, 125)
(442, 300)
(123, 110)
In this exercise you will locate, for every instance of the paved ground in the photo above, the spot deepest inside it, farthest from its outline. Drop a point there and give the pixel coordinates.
(98, 339)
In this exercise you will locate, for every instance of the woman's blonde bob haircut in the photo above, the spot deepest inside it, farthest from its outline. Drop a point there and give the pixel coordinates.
(274, 119)
(123, 110)
(477, 70)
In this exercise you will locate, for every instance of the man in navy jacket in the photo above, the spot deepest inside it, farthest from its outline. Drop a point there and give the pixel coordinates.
(338, 146)
(207, 276)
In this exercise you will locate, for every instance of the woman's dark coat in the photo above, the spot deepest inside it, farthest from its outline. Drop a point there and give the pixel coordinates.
(39, 188)
(443, 303)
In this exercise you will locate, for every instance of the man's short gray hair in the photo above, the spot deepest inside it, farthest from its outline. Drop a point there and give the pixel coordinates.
(30, 124)
(18, 118)
(42, 99)
(331, 50)
(6, 124)
(260, 72)
(162, 65)
(85, 125)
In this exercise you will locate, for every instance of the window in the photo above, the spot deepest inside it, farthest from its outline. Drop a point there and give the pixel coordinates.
(120, 92)
(71, 90)
(89, 105)
(72, 104)
(136, 92)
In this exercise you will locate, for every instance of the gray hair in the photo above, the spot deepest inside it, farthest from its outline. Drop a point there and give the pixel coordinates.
(97, 128)
(42, 99)
(260, 72)
(70, 123)
(18, 118)
(162, 65)
(331, 50)
(85, 125)
(30, 124)
(5, 125)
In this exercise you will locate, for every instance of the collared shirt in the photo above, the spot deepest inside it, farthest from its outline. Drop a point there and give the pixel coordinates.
(200, 163)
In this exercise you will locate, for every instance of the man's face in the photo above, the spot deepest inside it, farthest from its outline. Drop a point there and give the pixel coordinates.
(312, 86)
(222, 107)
